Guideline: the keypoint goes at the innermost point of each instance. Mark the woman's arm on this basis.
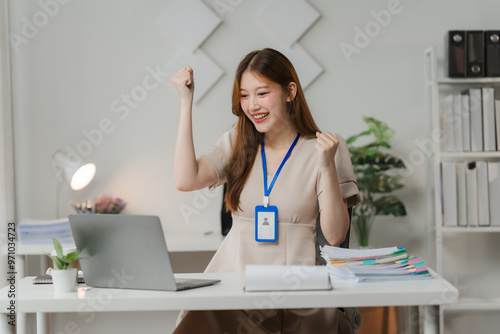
(190, 173)
(334, 218)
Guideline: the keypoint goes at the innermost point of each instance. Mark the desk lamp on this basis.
(77, 174)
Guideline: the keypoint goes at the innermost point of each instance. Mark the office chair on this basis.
(226, 219)
(321, 240)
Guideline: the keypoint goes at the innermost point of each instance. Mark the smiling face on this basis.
(264, 103)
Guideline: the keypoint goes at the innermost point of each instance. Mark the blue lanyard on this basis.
(267, 190)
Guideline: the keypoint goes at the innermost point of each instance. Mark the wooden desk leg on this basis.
(43, 323)
(429, 319)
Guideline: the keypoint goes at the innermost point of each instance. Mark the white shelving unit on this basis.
(470, 304)
(437, 87)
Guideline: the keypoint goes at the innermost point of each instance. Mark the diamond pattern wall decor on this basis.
(307, 68)
(190, 22)
(206, 72)
(288, 20)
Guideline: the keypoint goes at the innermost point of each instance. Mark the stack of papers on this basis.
(378, 264)
(36, 232)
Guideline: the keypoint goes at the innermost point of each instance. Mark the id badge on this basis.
(266, 223)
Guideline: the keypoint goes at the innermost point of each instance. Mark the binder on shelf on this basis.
(462, 193)
(494, 191)
(475, 53)
(483, 202)
(488, 99)
(465, 113)
(492, 53)
(447, 120)
(472, 214)
(449, 178)
(457, 53)
(457, 123)
(476, 119)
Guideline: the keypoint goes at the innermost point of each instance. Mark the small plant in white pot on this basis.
(63, 278)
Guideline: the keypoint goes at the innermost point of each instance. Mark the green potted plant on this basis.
(64, 277)
(376, 175)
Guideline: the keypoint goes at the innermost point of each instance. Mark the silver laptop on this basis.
(126, 252)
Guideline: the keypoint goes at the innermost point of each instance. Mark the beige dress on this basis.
(297, 194)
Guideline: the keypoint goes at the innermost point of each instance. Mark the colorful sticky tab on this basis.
(419, 264)
(399, 251)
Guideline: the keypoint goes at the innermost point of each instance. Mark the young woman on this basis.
(278, 167)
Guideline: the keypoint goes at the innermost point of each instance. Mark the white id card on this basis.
(266, 223)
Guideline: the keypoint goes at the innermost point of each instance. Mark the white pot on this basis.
(64, 280)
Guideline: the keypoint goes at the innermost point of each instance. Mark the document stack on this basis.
(371, 265)
(40, 232)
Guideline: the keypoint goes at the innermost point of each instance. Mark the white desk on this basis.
(229, 294)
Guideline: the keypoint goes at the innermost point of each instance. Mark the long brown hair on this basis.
(273, 66)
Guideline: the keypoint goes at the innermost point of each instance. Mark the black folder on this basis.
(457, 52)
(492, 53)
(475, 53)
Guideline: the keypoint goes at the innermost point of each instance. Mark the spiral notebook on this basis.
(47, 279)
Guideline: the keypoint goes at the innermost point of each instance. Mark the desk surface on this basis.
(229, 294)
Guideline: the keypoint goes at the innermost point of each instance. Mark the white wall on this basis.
(6, 154)
(66, 77)
(91, 52)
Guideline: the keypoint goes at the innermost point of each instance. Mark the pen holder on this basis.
(84, 207)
